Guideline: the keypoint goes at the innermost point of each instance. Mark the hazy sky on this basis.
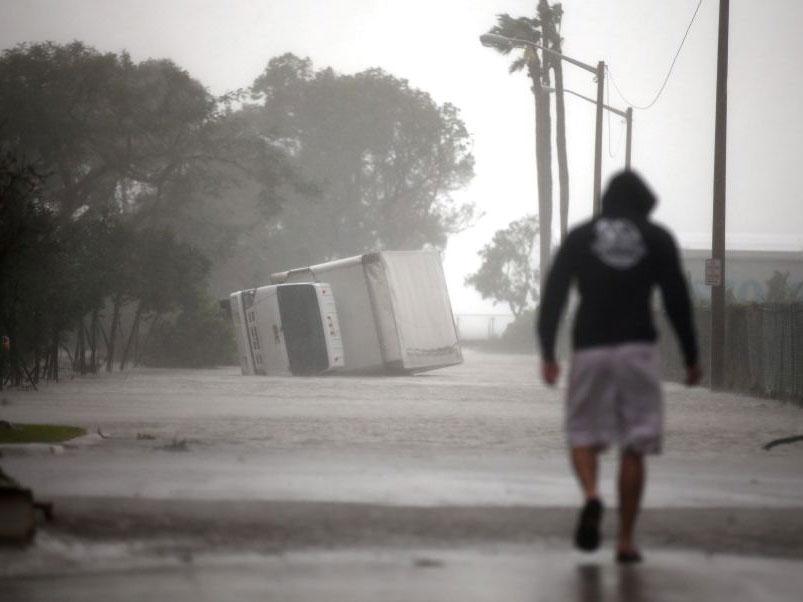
(433, 43)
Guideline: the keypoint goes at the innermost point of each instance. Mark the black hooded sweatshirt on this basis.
(615, 260)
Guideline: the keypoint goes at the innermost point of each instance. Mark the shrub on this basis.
(200, 336)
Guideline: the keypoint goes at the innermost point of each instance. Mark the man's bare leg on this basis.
(585, 463)
(631, 486)
(587, 534)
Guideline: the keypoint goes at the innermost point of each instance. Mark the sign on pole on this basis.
(713, 272)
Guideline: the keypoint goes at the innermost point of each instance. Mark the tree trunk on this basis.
(32, 379)
(55, 359)
(93, 343)
(144, 347)
(118, 301)
(560, 143)
(543, 159)
(551, 39)
(79, 358)
(131, 335)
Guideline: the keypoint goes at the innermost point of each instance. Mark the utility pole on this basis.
(627, 115)
(717, 267)
(629, 138)
(600, 71)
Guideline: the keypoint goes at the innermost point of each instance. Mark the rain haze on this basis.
(281, 316)
(435, 46)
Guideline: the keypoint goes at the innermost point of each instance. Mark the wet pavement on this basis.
(485, 574)
(485, 432)
(212, 486)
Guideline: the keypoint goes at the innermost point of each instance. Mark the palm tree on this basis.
(529, 30)
(550, 18)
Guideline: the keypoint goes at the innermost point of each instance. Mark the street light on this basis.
(492, 39)
(627, 114)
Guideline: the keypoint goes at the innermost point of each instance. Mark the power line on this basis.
(668, 74)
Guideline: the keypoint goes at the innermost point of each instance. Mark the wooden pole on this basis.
(629, 137)
(718, 233)
(598, 138)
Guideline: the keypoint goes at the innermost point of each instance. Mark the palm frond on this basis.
(516, 28)
(518, 65)
(520, 28)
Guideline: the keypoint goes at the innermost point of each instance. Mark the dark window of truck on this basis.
(303, 329)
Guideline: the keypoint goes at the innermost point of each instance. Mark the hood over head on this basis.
(627, 195)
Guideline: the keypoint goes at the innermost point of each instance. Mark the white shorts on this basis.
(614, 396)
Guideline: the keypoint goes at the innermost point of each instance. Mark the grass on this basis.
(39, 433)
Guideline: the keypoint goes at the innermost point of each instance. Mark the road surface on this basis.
(204, 479)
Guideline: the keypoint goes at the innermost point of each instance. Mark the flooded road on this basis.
(252, 479)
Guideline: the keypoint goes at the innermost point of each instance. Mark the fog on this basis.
(435, 46)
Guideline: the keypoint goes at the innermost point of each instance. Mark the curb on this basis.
(83, 441)
(30, 449)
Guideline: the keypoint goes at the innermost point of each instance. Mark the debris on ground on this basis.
(177, 445)
(18, 512)
(783, 441)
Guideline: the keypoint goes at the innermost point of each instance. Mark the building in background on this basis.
(746, 272)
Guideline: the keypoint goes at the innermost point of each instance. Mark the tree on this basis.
(530, 30)
(550, 18)
(780, 290)
(140, 172)
(200, 337)
(506, 274)
(41, 291)
(124, 137)
(124, 151)
(26, 241)
(384, 156)
(164, 275)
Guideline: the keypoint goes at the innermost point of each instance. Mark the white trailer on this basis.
(393, 307)
(287, 329)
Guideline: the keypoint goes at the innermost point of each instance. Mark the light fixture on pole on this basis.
(492, 39)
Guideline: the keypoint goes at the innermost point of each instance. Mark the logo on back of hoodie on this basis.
(618, 243)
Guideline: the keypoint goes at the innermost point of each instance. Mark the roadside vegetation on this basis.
(38, 433)
(133, 199)
(506, 273)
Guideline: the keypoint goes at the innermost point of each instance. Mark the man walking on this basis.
(614, 391)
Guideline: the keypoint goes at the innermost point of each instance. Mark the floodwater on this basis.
(452, 483)
(486, 432)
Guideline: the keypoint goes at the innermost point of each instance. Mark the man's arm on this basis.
(675, 295)
(553, 300)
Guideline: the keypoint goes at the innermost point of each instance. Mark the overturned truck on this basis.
(288, 329)
(390, 314)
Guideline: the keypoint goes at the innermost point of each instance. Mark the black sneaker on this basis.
(587, 536)
(633, 557)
